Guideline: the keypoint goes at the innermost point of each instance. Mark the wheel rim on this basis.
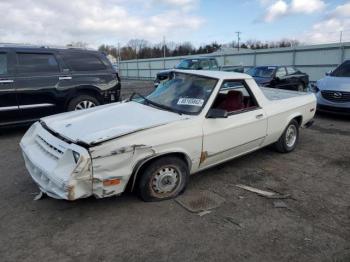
(291, 135)
(166, 180)
(84, 105)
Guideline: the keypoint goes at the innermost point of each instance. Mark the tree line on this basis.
(139, 48)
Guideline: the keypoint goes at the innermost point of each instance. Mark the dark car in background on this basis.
(200, 63)
(40, 81)
(282, 77)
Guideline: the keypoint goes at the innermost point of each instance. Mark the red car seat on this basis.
(233, 101)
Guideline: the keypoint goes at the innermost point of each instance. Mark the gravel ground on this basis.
(315, 226)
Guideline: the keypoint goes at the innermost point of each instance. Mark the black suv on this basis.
(40, 81)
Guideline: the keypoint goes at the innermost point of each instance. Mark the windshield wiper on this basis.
(150, 102)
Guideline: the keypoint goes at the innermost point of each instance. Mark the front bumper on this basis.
(325, 105)
(53, 167)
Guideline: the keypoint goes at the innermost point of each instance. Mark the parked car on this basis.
(194, 121)
(36, 82)
(199, 63)
(282, 77)
(333, 91)
(236, 69)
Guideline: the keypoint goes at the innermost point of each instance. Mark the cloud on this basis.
(92, 21)
(307, 7)
(328, 29)
(281, 8)
(276, 10)
(185, 5)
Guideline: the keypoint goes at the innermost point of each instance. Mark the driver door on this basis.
(242, 131)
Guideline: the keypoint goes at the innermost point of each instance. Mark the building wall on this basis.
(314, 60)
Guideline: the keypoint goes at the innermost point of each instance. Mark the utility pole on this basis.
(164, 52)
(119, 56)
(238, 38)
(341, 37)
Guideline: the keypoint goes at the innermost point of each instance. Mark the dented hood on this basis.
(106, 122)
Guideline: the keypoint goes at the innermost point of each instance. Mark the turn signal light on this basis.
(111, 182)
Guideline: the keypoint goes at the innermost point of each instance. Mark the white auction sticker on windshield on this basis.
(190, 101)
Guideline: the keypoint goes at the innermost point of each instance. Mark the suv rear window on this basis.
(3, 64)
(83, 62)
(34, 63)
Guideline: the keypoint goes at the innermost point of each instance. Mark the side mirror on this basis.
(217, 113)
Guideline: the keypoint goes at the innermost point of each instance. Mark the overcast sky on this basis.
(95, 22)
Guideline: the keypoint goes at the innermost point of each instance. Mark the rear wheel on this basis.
(289, 139)
(162, 179)
(82, 102)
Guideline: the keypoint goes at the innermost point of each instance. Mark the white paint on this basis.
(129, 134)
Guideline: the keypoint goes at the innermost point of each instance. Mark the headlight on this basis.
(76, 156)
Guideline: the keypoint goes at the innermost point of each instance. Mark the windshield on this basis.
(187, 64)
(182, 93)
(262, 71)
(342, 71)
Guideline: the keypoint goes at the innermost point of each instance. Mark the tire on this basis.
(301, 87)
(163, 179)
(289, 139)
(82, 102)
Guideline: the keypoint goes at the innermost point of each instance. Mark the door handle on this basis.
(65, 78)
(259, 116)
(6, 81)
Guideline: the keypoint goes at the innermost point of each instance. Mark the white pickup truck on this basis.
(193, 121)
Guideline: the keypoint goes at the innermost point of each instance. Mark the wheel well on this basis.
(299, 119)
(84, 91)
(144, 164)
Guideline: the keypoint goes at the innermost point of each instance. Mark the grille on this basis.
(47, 148)
(336, 96)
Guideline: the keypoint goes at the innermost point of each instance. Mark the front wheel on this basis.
(289, 139)
(162, 179)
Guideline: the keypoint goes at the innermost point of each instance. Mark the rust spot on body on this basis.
(204, 156)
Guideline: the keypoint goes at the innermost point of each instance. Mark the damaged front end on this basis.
(62, 170)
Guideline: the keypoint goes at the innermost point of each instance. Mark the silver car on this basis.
(333, 91)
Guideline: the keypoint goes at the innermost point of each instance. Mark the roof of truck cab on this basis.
(215, 74)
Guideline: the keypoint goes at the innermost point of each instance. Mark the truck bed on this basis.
(279, 94)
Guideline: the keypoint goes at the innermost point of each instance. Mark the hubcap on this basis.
(291, 135)
(166, 180)
(84, 105)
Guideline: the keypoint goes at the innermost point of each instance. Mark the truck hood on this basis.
(95, 125)
(334, 83)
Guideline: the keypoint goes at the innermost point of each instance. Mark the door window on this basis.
(214, 65)
(3, 64)
(83, 62)
(291, 70)
(37, 63)
(204, 65)
(234, 97)
(281, 72)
